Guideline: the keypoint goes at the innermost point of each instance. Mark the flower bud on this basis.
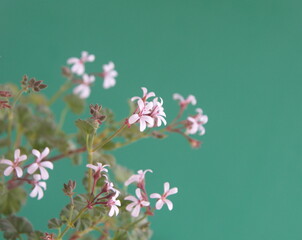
(69, 188)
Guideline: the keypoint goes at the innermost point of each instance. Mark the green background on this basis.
(241, 59)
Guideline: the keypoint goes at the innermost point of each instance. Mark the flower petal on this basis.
(166, 187)
(159, 204)
(136, 211)
(44, 173)
(32, 168)
(19, 172)
(155, 195)
(133, 118)
(8, 171)
(17, 154)
(169, 204)
(6, 161)
(47, 164)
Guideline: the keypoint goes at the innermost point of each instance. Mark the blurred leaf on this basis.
(109, 146)
(75, 103)
(36, 235)
(13, 226)
(121, 173)
(12, 200)
(54, 223)
(86, 126)
(36, 99)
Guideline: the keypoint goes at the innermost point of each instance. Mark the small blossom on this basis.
(196, 123)
(158, 113)
(146, 95)
(99, 168)
(137, 203)
(109, 75)
(162, 199)
(139, 178)
(38, 187)
(79, 63)
(184, 102)
(83, 89)
(15, 165)
(142, 117)
(39, 164)
(113, 203)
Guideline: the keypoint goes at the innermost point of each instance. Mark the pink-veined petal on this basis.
(8, 171)
(42, 184)
(131, 198)
(91, 58)
(85, 92)
(177, 96)
(145, 203)
(191, 99)
(133, 118)
(136, 211)
(19, 172)
(72, 60)
(159, 204)
(7, 162)
(166, 187)
(36, 153)
(138, 193)
(22, 158)
(40, 193)
(32, 168)
(155, 195)
(44, 173)
(142, 125)
(130, 206)
(47, 164)
(172, 191)
(169, 204)
(17, 154)
(140, 104)
(34, 192)
(45, 153)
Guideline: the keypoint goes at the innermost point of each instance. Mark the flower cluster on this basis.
(84, 84)
(37, 169)
(193, 124)
(148, 113)
(108, 194)
(141, 199)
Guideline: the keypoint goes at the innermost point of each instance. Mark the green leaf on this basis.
(75, 103)
(12, 200)
(86, 126)
(13, 226)
(54, 223)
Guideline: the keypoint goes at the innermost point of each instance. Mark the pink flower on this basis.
(79, 64)
(38, 187)
(139, 178)
(98, 168)
(83, 89)
(15, 164)
(39, 164)
(113, 204)
(142, 116)
(184, 102)
(196, 123)
(162, 199)
(109, 75)
(146, 95)
(137, 203)
(157, 113)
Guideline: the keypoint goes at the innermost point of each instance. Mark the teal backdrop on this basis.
(242, 59)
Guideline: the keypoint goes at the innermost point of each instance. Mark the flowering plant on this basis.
(32, 141)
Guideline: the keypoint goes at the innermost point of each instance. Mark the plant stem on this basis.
(99, 146)
(71, 223)
(62, 118)
(89, 143)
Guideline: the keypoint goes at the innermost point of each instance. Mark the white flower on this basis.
(99, 168)
(38, 188)
(39, 164)
(113, 203)
(162, 199)
(83, 89)
(184, 102)
(139, 178)
(142, 116)
(157, 113)
(109, 75)
(79, 63)
(196, 123)
(137, 203)
(14, 165)
(146, 95)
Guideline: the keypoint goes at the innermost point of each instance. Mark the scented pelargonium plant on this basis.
(31, 142)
